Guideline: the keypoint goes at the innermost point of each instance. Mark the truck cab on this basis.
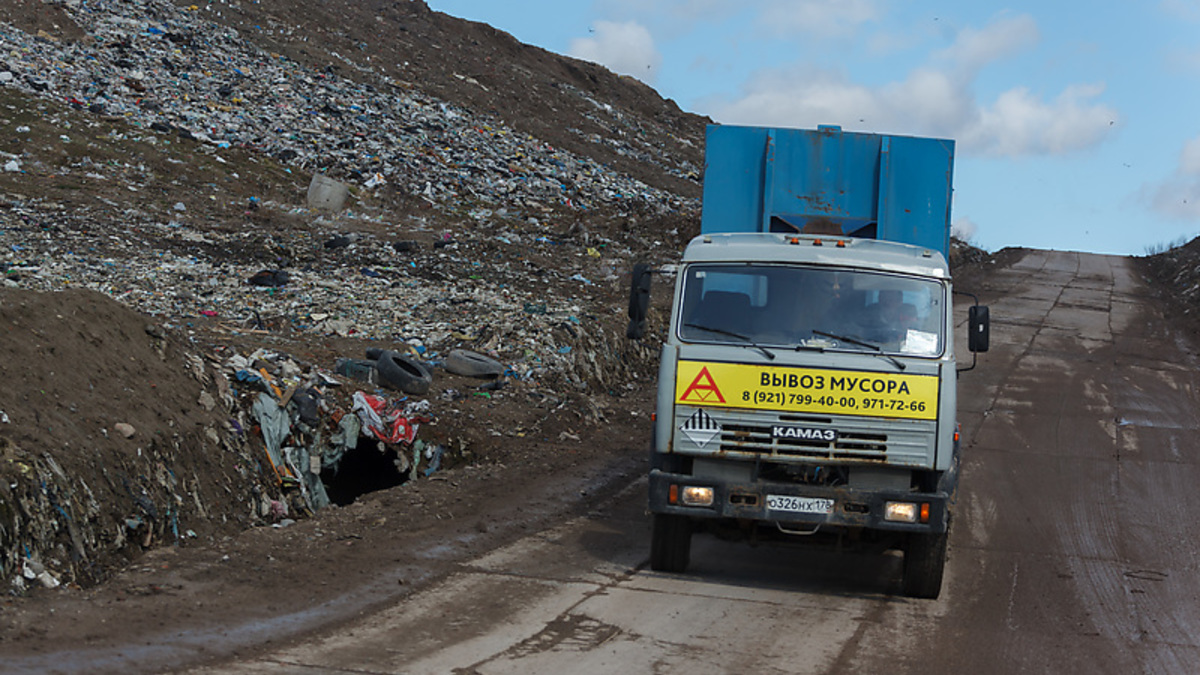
(806, 385)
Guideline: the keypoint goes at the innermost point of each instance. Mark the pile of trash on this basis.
(1176, 268)
(306, 430)
(496, 292)
(272, 436)
(114, 437)
(163, 68)
(141, 407)
(502, 269)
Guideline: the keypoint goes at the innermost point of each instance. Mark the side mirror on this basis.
(639, 301)
(979, 325)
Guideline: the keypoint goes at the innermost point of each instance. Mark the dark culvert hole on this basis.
(361, 471)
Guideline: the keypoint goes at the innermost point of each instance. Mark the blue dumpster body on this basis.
(875, 186)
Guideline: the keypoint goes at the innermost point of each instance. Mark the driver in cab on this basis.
(890, 318)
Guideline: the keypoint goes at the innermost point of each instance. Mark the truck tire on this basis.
(670, 543)
(472, 364)
(924, 563)
(402, 372)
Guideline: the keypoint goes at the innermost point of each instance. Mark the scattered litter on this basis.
(386, 421)
(270, 278)
(34, 570)
(327, 194)
(482, 287)
(384, 138)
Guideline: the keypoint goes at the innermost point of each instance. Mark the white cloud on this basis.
(800, 97)
(936, 101)
(927, 103)
(973, 49)
(1179, 195)
(1184, 60)
(818, 17)
(1181, 9)
(625, 48)
(963, 229)
(893, 42)
(1178, 198)
(1189, 157)
(1018, 123)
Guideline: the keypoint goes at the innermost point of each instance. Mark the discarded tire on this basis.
(471, 364)
(270, 278)
(402, 372)
(375, 352)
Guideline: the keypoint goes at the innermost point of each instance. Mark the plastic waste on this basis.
(273, 278)
(327, 194)
(362, 370)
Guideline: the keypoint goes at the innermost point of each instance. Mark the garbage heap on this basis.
(157, 442)
(119, 434)
(122, 428)
(164, 68)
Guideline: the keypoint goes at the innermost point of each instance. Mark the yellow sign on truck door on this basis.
(807, 390)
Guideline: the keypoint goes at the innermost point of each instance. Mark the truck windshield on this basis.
(797, 307)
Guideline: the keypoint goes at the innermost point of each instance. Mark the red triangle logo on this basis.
(704, 389)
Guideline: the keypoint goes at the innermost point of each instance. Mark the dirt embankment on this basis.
(495, 209)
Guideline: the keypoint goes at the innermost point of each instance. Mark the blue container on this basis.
(760, 179)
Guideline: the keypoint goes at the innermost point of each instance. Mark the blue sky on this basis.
(1077, 124)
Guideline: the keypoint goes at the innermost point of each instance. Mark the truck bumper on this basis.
(748, 501)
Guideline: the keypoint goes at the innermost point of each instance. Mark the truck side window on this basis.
(722, 304)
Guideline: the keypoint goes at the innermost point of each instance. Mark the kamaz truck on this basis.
(806, 387)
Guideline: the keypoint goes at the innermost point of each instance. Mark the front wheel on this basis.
(924, 563)
(670, 543)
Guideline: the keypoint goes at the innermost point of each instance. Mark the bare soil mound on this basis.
(112, 438)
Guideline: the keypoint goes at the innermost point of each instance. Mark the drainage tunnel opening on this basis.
(362, 470)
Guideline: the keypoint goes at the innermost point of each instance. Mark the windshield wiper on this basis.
(743, 338)
(854, 341)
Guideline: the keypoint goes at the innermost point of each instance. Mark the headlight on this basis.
(900, 512)
(697, 496)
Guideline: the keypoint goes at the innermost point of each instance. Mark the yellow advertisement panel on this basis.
(807, 390)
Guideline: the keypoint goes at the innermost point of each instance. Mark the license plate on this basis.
(817, 505)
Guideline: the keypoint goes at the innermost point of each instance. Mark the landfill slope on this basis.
(158, 162)
(111, 431)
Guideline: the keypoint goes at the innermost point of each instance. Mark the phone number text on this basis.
(785, 398)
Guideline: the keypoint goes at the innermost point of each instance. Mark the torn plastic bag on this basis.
(300, 458)
(275, 426)
(346, 437)
(382, 420)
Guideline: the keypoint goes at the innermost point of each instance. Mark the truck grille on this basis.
(804, 438)
(849, 445)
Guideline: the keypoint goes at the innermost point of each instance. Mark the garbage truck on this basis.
(806, 387)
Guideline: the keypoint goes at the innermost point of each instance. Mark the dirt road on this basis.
(1073, 548)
